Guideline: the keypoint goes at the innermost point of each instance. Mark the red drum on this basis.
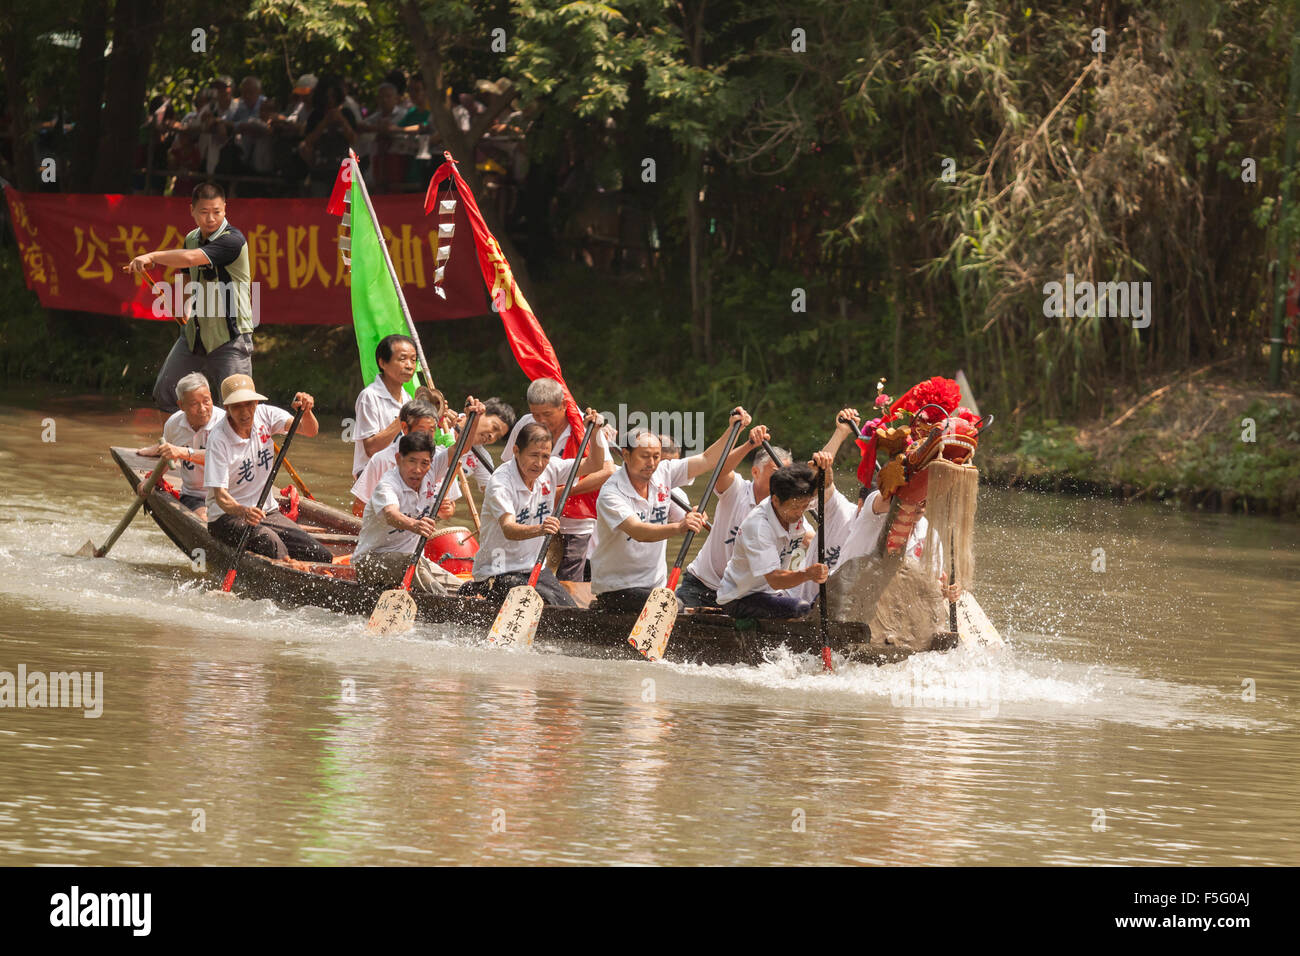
(454, 550)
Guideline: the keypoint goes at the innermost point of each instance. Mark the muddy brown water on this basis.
(1117, 727)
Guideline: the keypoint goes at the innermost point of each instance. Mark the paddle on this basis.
(821, 559)
(229, 581)
(394, 612)
(517, 620)
(88, 550)
(655, 625)
(293, 473)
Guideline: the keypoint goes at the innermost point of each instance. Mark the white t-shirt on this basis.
(242, 465)
(472, 467)
(177, 431)
(763, 545)
(383, 460)
(375, 410)
(732, 507)
(376, 533)
(841, 515)
(507, 494)
(619, 561)
(567, 525)
(862, 532)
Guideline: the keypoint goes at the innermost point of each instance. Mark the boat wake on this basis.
(145, 578)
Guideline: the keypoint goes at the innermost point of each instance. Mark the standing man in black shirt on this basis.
(217, 338)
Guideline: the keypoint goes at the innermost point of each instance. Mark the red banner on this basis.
(527, 339)
(74, 246)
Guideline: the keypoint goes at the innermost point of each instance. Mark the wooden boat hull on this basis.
(706, 638)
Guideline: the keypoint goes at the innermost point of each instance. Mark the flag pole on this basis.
(392, 272)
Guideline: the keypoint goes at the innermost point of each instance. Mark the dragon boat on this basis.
(883, 608)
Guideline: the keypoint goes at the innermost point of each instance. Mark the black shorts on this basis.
(573, 562)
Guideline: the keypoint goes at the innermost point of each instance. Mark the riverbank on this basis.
(1207, 440)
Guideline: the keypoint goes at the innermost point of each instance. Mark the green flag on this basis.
(376, 311)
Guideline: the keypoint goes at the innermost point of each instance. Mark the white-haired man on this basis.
(546, 406)
(185, 439)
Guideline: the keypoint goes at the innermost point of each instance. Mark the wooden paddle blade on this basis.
(973, 626)
(652, 629)
(516, 623)
(394, 613)
(87, 550)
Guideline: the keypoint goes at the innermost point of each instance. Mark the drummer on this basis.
(397, 516)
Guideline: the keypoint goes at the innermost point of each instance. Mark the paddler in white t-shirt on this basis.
(519, 509)
(239, 459)
(185, 438)
(397, 516)
(379, 404)
(766, 569)
(632, 510)
(546, 406)
(736, 498)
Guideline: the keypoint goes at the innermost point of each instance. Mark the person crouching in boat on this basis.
(632, 513)
(519, 508)
(736, 499)
(239, 456)
(397, 516)
(760, 580)
(416, 415)
(185, 438)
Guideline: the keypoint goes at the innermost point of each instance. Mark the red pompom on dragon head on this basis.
(926, 423)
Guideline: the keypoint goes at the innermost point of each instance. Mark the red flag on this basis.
(342, 183)
(529, 343)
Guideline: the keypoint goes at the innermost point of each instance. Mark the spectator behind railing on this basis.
(416, 125)
(331, 130)
(246, 122)
(391, 155)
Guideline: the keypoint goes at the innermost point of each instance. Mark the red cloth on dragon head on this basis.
(944, 392)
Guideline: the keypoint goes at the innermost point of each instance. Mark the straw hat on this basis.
(239, 388)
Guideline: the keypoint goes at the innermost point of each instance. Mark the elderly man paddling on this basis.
(239, 458)
(518, 509)
(628, 562)
(217, 338)
(185, 438)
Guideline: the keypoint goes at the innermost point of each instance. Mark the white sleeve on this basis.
(216, 468)
(613, 509)
(365, 484)
(676, 473)
(497, 502)
(369, 417)
(763, 559)
(382, 497)
(171, 432)
(277, 419)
